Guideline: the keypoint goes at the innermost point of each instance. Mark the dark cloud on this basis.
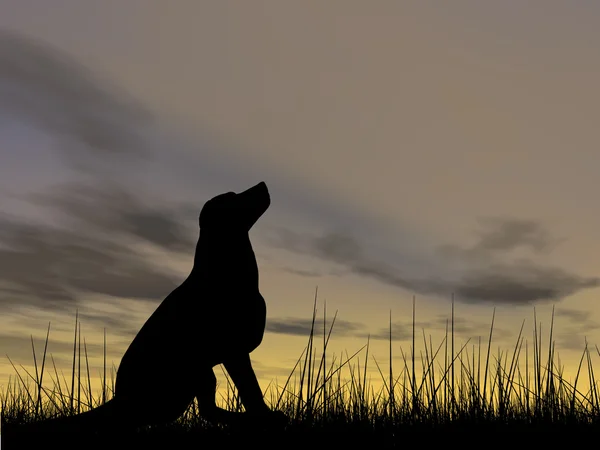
(42, 85)
(93, 248)
(345, 250)
(520, 282)
(50, 267)
(96, 207)
(302, 327)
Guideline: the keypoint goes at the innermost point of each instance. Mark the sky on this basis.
(412, 150)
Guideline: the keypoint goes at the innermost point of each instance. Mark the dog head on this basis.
(231, 212)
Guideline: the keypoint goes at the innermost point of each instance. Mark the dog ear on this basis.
(218, 211)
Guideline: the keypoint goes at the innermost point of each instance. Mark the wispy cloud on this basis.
(464, 328)
(485, 278)
(575, 327)
(303, 273)
(302, 327)
(491, 277)
(55, 92)
(576, 316)
(18, 348)
(50, 267)
(94, 207)
(401, 330)
(502, 235)
(90, 241)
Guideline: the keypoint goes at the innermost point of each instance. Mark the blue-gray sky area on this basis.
(410, 148)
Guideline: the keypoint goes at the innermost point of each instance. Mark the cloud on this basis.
(19, 350)
(400, 332)
(341, 249)
(573, 315)
(311, 273)
(289, 240)
(90, 238)
(115, 324)
(98, 129)
(338, 248)
(302, 272)
(464, 328)
(482, 280)
(572, 340)
(499, 235)
(44, 86)
(95, 207)
(302, 327)
(502, 234)
(94, 249)
(575, 327)
(520, 283)
(50, 267)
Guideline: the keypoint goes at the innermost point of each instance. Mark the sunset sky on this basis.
(410, 148)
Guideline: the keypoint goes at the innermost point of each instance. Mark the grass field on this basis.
(447, 394)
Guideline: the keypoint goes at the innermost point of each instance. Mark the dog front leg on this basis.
(207, 406)
(241, 372)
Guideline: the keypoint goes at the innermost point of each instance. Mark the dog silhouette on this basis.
(216, 316)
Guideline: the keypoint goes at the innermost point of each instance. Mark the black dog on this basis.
(216, 316)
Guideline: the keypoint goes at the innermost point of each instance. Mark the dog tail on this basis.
(101, 418)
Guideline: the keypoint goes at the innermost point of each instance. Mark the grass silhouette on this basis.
(448, 392)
